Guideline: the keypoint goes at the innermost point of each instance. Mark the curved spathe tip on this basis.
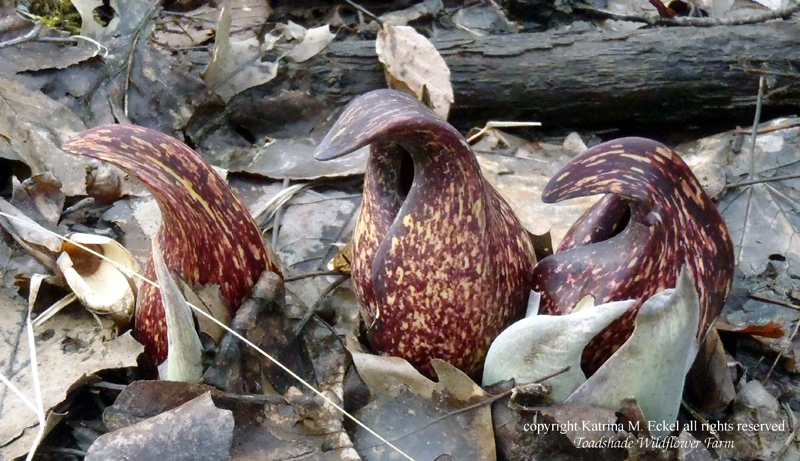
(623, 166)
(374, 116)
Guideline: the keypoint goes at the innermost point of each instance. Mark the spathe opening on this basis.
(406, 174)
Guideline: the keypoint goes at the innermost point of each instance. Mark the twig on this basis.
(764, 180)
(500, 124)
(311, 274)
(790, 439)
(365, 11)
(786, 345)
(693, 22)
(310, 312)
(503, 394)
(107, 386)
(31, 35)
(128, 72)
(276, 222)
(777, 302)
(761, 84)
(759, 71)
(701, 418)
(770, 129)
(330, 329)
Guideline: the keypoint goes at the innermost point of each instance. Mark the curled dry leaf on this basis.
(34, 238)
(101, 287)
(652, 364)
(540, 345)
(236, 65)
(413, 63)
(39, 195)
(314, 41)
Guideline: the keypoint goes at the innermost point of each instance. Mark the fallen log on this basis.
(644, 79)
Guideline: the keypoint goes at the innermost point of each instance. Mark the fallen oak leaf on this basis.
(414, 412)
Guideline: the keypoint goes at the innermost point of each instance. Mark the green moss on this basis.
(57, 14)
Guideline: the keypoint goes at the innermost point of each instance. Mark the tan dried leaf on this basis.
(236, 65)
(410, 58)
(314, 41)
(342, 262)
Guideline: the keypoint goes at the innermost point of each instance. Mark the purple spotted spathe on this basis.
(632, 243)
(441, 263)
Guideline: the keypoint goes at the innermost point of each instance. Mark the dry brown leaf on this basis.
(342, 262)
(412, 59)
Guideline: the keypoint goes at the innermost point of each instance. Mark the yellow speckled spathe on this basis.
(633, 242)
(207, 235)
(441, 264)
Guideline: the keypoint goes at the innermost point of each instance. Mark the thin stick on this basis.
(307, 316)
(777, 302)
(229, 330)
(786, 345)
(500, 124)
(365, 11)
(312, 274)
(37, 27)
(764, 180)
(37, 387)
(276, 222)
(761, 84)
(700, 418)
(770, 129)
(129, 70)
(787, 443)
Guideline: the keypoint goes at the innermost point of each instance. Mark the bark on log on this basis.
(678, 76)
